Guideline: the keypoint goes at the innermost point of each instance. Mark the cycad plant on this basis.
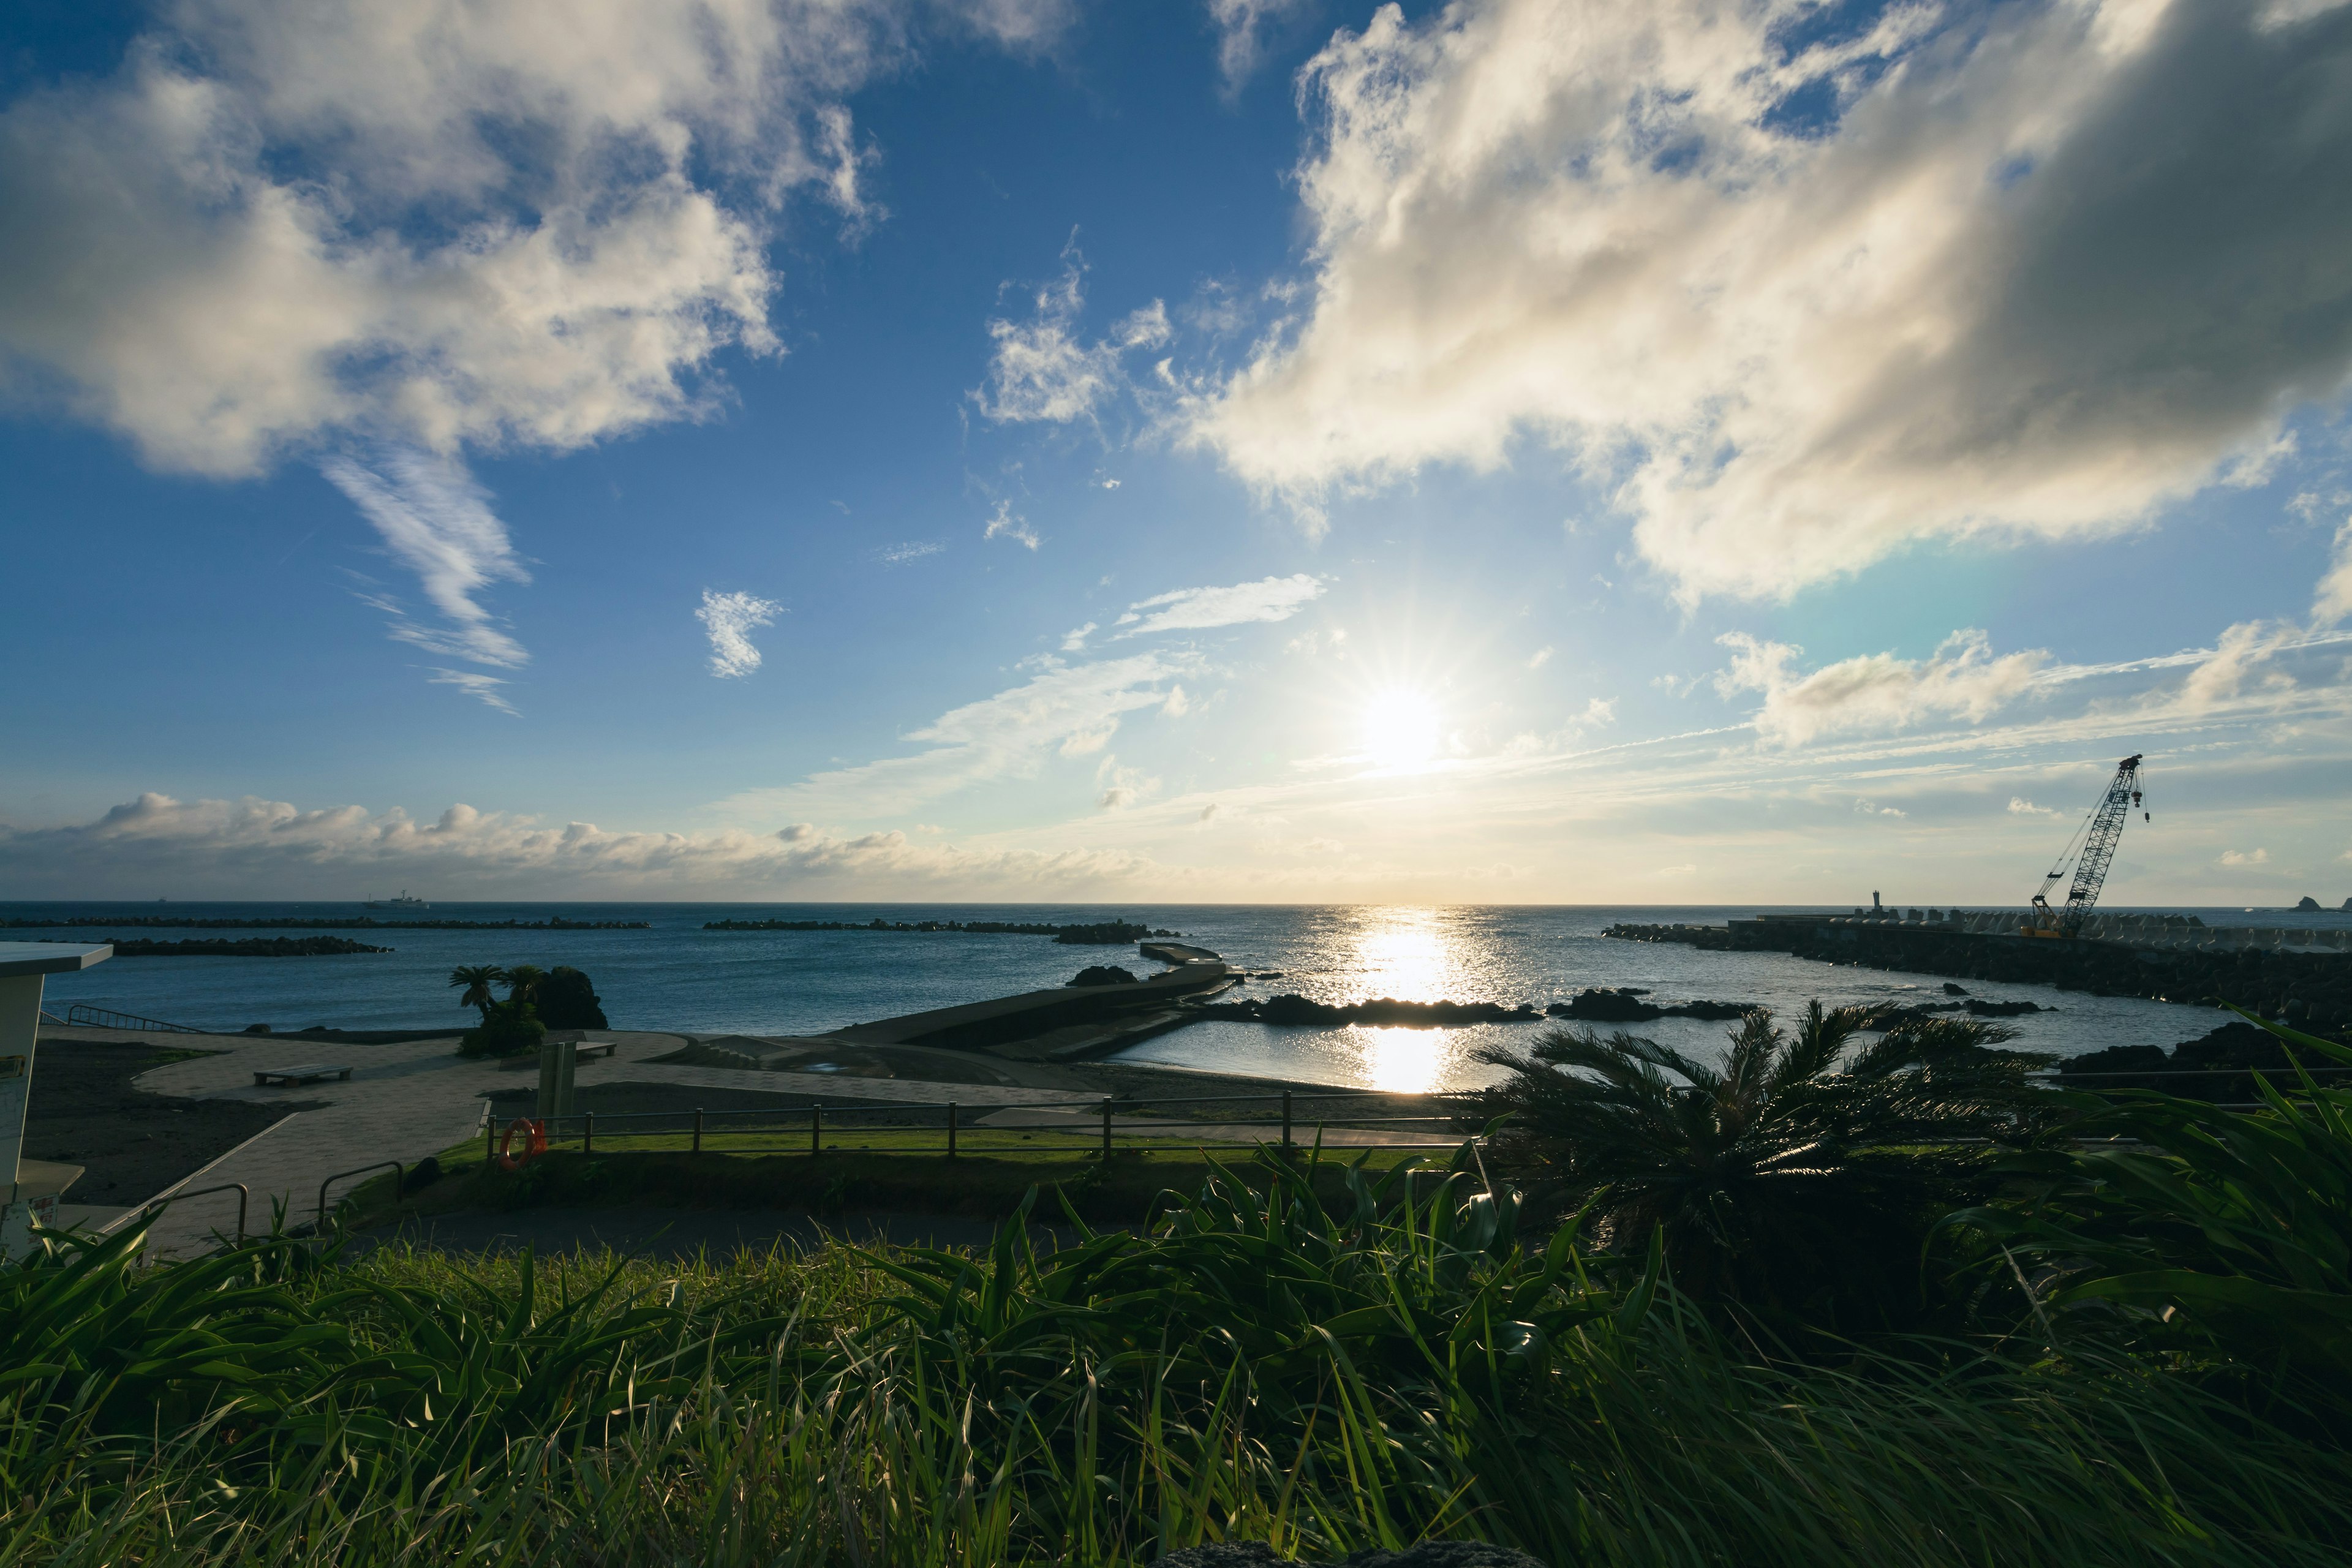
(474, 982)
(1799, 1176)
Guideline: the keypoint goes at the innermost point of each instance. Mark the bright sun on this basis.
(1401, 728)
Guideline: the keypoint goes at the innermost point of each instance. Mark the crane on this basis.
(2098, 836)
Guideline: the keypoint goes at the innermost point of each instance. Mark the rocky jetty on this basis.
(2301, 976)
(1101, 933)
(251, 947)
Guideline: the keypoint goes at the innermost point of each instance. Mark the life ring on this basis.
(534, 1142)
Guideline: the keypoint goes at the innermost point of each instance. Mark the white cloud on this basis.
(2045, 266)
(2020, 806)
(1177, 705)
(1242, 26)
(730, 619)
(2238, 858)
(1872, 808)
(913, 549)
(1538, 659)
(2333, 602)
(1873, 691)
(1123, 787)
(1075, 639)
(1598, 711)
(1008, 525)
(1199, 609)
(261, 847)
(438, 523)
(1043, 371)
(483, 689)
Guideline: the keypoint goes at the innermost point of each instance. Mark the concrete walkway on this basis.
(407, 1101)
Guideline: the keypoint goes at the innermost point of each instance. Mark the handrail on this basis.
(400, 1184)
(243, 1197)
(82, 1015)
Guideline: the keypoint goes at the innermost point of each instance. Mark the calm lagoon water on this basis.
(675, 975)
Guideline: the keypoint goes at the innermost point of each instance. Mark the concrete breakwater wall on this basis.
(2308, 985)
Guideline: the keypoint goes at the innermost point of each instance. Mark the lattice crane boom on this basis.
(2098, 837)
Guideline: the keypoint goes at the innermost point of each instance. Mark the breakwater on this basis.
(2169, 958)
(1100, 933)
(251, 947)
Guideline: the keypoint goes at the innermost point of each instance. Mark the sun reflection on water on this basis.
(1410, 956)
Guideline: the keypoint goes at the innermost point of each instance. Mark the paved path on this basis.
(405, 1101)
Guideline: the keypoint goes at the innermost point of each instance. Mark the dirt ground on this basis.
(84, 1111)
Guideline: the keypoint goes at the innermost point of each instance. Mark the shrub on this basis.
(508, 1029)
(566, 1000)
(2191, 1227)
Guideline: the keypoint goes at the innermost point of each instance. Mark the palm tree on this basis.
(1789, 1176)
(476, 979)
(523, 981)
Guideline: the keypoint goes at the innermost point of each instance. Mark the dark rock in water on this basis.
(1624, 1005)
(1425, 1554)
(256, 1029)
(1103, 974)
(566, 1000)
(1603, 1006)
(1981, 1009)
(2307, 902)
(1952, 990)
(1290, 1008)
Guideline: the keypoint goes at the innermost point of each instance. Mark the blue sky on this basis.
(1528, 450)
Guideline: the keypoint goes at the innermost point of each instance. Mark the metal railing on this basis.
(82, 1015)
(399, 1185)
(1287, 1121)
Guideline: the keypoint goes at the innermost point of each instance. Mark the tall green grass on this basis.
(1254, 1365)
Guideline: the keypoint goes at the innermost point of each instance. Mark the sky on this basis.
(1511, 451)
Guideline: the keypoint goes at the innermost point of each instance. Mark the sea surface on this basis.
(676, 975)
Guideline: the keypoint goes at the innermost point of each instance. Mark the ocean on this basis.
(676, 975)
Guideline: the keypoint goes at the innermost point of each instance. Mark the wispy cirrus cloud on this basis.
(730, 619)
(1006, 523)
(1203, 609)
(1242, 28)
(482, 689)
(1061, 709)
(437, 521)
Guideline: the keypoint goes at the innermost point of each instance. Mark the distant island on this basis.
(1103, 934)
(355, 922)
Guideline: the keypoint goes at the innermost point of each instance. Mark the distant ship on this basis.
(402, 902)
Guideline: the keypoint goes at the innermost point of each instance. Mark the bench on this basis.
(581, 1051)
(312, 1072)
